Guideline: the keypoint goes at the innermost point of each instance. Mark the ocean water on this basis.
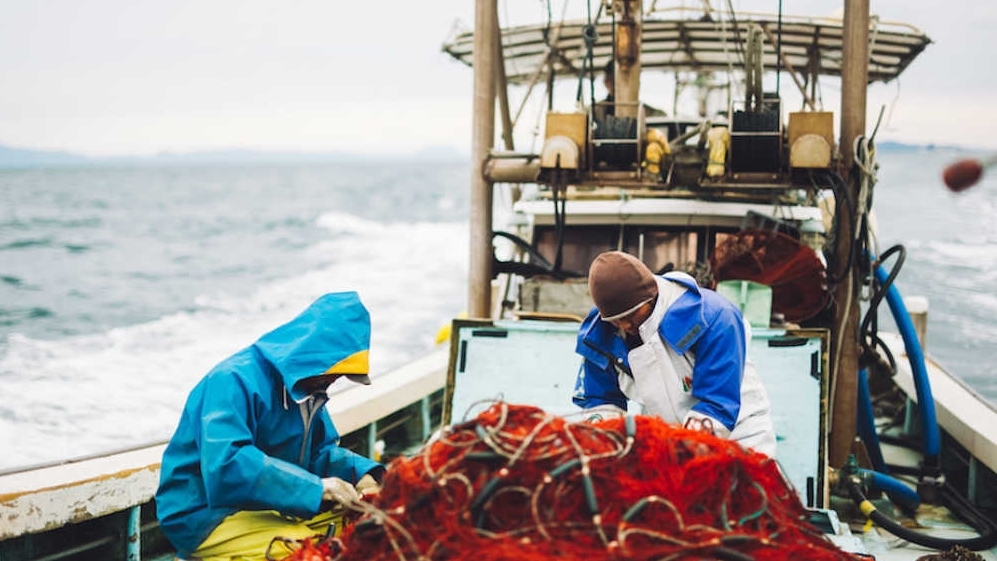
(951, 257)
(121, 287)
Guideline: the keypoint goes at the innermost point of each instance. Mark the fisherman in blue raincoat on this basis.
(256, 453)
(677, 350)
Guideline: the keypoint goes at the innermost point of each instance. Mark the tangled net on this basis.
(793, 270)
(518, 483)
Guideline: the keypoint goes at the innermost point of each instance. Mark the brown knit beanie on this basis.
(620, 283)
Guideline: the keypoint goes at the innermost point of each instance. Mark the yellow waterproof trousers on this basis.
(246, 535)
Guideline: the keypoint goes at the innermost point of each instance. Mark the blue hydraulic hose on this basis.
(898, 492)
(866, 424)
(915, 355)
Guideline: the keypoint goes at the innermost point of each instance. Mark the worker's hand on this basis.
(701, 424)
(368, 486)
(704, 423)
(338, 490)
(602, 412)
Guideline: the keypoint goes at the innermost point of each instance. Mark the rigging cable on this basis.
(868, 329)
(737, 30)
(778, 53)
(559, 220)
(590, 35)
(843, 201)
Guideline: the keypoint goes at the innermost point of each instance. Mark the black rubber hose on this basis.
(986, 539)
(960, 505)
(867, 329)
(843, 197)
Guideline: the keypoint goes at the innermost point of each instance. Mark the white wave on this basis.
(979, 254)
(339, 222)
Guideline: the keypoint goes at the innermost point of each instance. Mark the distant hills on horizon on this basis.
(11, 157)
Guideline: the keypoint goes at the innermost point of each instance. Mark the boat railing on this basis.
(78, 459)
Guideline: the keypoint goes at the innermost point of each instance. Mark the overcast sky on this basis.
(115, 77)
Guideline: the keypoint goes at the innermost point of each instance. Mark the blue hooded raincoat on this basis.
(243, 443)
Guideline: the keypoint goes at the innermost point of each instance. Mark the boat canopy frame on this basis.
(810, 46)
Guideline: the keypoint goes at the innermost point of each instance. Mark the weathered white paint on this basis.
(49, 497)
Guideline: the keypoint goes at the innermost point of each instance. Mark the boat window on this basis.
(661, 250)
(580, 246)
(661, 246)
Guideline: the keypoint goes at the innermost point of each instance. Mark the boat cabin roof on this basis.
(700, 44)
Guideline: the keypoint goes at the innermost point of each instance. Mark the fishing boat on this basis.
(891, 455)
(768, 206)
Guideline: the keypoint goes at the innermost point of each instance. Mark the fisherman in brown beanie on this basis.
(674, 349)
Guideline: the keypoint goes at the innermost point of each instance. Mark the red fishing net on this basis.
(518, 483)
(793, 270)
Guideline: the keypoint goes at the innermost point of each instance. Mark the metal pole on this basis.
(134, 548)
(854, 80)
(482, 139)
(502, 90)
(372, 441)
(425, 405)
(502, 87)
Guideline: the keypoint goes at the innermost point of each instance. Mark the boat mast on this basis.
(482, 140)
(845, 366)
(854, 76)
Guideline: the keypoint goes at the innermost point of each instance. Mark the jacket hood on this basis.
(331, 336)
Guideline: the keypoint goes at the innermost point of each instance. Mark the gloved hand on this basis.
(697, 421)
(701, 424)
(368, 486)
(338, 490)
(602, 412)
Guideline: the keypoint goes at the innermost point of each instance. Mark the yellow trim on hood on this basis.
(356, 363)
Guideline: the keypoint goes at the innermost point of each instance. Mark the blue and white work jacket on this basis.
(692, 364)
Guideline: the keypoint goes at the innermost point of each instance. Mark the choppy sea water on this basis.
(121, 287)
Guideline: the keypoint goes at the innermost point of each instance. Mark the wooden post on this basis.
(854, 76)
(482, 140)
(917, 308)
(854, 79)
